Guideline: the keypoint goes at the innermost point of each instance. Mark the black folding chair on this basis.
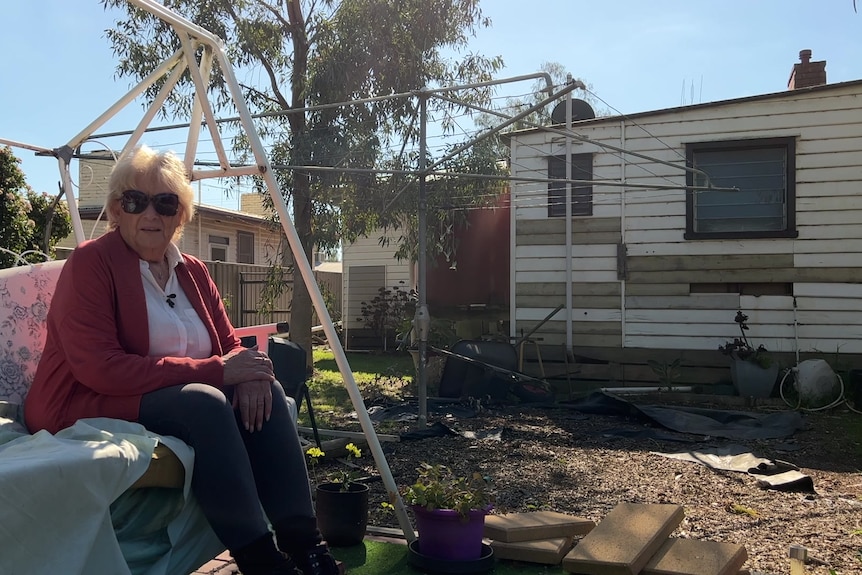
(288, 363)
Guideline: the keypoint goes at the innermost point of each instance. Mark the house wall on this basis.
(632, 267)
(195, 238)
(361, 281)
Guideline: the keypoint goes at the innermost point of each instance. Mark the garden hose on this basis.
(838, 401)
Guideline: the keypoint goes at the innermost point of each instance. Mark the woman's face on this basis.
(149, 232)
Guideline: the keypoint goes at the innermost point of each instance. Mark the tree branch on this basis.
(267, 65)
(261, 94)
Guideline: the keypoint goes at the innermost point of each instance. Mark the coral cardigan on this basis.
(95, 362)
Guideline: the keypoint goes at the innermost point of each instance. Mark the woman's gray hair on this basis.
(160, 171)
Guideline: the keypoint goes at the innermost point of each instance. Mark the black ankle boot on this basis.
(260, 557)
(297, 532)
(299, 537)
(315, 560)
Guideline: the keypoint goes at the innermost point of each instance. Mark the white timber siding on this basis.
(195, 239)
(632, 268)
(359, 260)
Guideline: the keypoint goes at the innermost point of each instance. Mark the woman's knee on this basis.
(200, 399)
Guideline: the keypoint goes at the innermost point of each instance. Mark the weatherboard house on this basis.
(680, 217)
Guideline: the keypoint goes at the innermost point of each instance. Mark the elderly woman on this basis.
(137, 331)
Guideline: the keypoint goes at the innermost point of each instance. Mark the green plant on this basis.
(342, 476)
(29, 222)
(437, 487)
(667, 373)
(385, 313)
(742, 348)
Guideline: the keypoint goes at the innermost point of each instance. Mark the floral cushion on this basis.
(25, 293)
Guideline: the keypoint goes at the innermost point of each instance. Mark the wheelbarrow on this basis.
(478, 368)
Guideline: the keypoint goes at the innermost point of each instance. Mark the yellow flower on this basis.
(315, 452)
(353, 450)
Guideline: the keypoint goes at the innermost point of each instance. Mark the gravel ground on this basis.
(562, 460)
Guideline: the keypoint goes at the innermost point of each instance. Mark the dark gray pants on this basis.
(235, 472)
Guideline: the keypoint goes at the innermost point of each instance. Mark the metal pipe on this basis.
(568, 244)
(422, 319)
(276, 113)
(647, 389)
(599, 144)
(130, 96)
(154, 108)
(194, 132)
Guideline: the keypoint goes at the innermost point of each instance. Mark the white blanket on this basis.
(65, 508)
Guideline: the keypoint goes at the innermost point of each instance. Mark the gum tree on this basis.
(306, 53)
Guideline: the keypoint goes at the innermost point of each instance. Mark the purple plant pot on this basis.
(444, 534)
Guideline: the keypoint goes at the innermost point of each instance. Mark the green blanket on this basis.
(65, 506)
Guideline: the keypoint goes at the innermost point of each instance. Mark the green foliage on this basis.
(667, 372)
(376, 375)
(386, 311)
(742, 348)
(29, 221)
(437, 487)
(342, 477)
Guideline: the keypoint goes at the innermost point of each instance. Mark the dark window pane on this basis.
(582, 194)
(760, 204)
(245, 247)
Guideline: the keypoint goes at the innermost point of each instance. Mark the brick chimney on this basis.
(807, 73)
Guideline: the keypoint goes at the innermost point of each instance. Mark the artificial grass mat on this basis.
(375, 557)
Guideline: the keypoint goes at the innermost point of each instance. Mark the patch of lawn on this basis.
(376, 375)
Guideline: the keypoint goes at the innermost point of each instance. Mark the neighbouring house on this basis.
(471, 290)
(658, 264)
(238, 246)
(368, 265)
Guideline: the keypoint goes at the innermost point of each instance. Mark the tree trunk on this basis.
(300, 308)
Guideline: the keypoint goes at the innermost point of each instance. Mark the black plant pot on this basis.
(342, 516)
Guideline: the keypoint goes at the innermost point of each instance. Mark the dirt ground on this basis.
(562, 460)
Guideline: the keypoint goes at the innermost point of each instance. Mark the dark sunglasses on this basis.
(135, 202)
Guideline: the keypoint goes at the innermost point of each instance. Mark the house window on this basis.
(218, 248)
(764, 172)
(245, 247)
(582, 194)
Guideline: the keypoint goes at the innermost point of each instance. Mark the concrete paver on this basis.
(695, 557)
(534, 525)
(625, 540)
(544, 551)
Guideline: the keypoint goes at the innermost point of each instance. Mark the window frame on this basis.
(221, 243)
(240, 255)
(582, 195)
(789, 146)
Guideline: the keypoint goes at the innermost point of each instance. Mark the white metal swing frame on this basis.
(192, 38)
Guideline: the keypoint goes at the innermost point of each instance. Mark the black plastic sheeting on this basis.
(728, 424)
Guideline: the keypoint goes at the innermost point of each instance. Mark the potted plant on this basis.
(450, 512)
(753, 370)
(341, 503)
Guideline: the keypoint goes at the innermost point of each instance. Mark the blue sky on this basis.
(57, 72)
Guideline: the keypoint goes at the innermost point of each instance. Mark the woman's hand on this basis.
(242, 365)
(254, 400)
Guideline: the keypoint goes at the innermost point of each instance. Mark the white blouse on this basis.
(176, 330)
